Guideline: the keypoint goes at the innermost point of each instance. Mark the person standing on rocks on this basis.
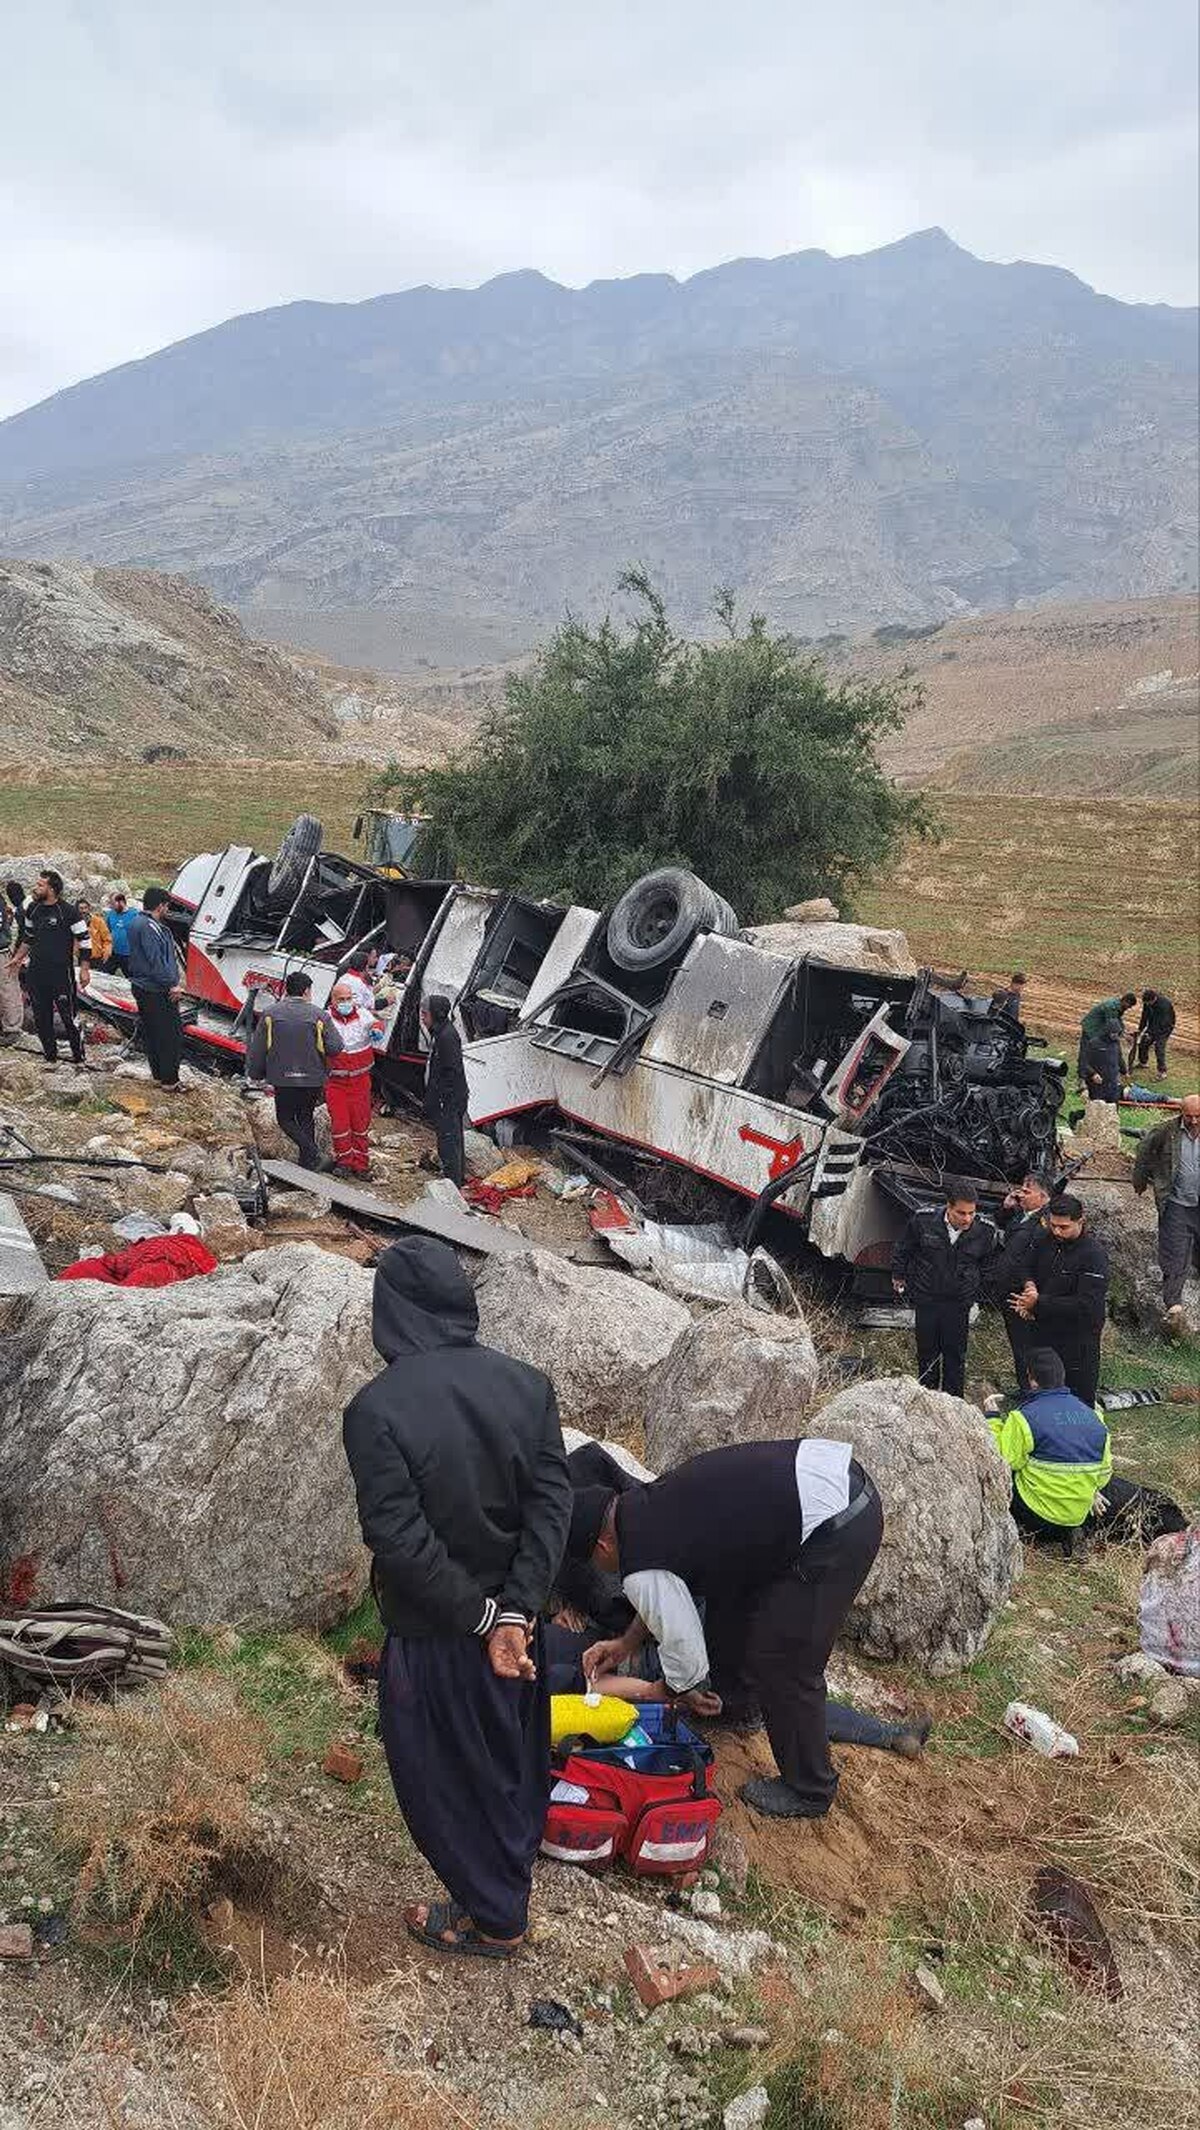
(348, 1087)
(446, 1088)
(152, 964)
(1168, 1160)
(777, 1538)
(292, 1047)
(54, 934)
(464, 1498)
(939, 1263)
(12, 1002)
(1020, 1227)
(1065, 1295)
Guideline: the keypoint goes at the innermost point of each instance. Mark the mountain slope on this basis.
(105, 664)
(898, 436)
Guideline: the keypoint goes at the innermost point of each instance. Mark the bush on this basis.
(624, 749)
(159, 1795)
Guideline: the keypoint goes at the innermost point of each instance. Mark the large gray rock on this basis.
(179, 1450)
(598, 1335)
(1127, 1225)
(846, 946)
(90, 873)
(734, 1376)
(951, 1552)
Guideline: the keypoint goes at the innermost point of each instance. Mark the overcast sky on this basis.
(166, 164)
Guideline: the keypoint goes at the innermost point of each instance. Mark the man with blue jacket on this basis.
(153, 968)
(1058, 1450)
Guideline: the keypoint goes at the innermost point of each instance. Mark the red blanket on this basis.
(157, 1262)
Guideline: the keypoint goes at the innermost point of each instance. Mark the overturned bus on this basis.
(709, 1067)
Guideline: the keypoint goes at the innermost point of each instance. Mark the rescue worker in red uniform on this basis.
(348, 1088)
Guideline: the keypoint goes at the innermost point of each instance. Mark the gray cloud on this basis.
(164, 166)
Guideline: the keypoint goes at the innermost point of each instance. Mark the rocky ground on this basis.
(875, 1969)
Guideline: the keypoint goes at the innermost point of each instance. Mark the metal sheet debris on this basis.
(21, 1268)
(466, 1231)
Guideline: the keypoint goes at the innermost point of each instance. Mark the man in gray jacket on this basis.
(1168, 1160)
(290, 1049)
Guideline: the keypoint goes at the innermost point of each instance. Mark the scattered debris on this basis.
(1040, 1731)
(656, 1982)
(460, 1228)
(1169, 1606)
(550, 2017)
(700, 1262)
(343, 1762)
(21, 1267)
(928, 1988)
(1062, 1908)
(156, 1261)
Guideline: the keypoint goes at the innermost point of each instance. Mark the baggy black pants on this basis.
(469, 1757)
(774, 1644)
(1022, 1341)
(294, 1107)
(1178, 1244)
(48, 995)
(451, 1146)
(162, 1032)
(942, 1330)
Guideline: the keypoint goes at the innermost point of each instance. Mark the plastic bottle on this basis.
(1040, 1731)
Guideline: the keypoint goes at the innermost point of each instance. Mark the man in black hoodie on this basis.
(446, 1087)
(465, 1500)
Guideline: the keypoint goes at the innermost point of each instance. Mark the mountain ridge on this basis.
(896, 435)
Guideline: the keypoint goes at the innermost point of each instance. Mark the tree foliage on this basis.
(623, 748)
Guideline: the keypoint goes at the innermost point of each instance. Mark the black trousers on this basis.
(452, 1153)
(942, 1330)
(294, 1107)
(1080, 1356)
(162, 1033)
(1146, 1043)
(48, 995)
(1135, 1513)
(469, 1758)
(772, 1645)
(1022, 1342)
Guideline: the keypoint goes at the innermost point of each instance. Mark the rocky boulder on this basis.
(734, 1376)
(846, 946)
(90, 873)
(1099, 1128)
(1127, 1225)
(951, 1552)
(817, 910)
(179, 1450)
(598, 1335)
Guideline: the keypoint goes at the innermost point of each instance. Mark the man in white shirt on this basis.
(777, 1538)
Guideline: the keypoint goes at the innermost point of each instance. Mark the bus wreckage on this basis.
(700, 1063)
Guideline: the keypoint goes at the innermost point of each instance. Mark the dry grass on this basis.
(159, 1794)
(299, 2057)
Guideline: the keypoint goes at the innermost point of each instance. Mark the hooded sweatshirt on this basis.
(464, 1496)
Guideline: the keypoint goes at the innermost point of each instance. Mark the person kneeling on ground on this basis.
(348, 1088)
(939, 1264)
(291, 1048)
(1168, 1159)
(1060, 1455)
(777, 1538)
(464, 1500)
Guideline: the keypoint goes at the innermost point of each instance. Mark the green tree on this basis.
(623, 748)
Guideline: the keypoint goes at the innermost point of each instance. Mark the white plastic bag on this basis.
(1169, 1610)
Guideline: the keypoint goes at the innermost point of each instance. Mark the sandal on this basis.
(466, 1939)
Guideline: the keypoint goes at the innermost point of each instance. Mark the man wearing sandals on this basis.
(464, 1498)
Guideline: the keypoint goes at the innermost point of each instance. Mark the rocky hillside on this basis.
(118, 664)
(898, 437)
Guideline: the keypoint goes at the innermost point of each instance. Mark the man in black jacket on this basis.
(1065, 1294)
(446, 1088)
(53, 934)
(939, 1263)
(777, 1538)
(1020, 1227)
(1154, 1031)
(464, 1500)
